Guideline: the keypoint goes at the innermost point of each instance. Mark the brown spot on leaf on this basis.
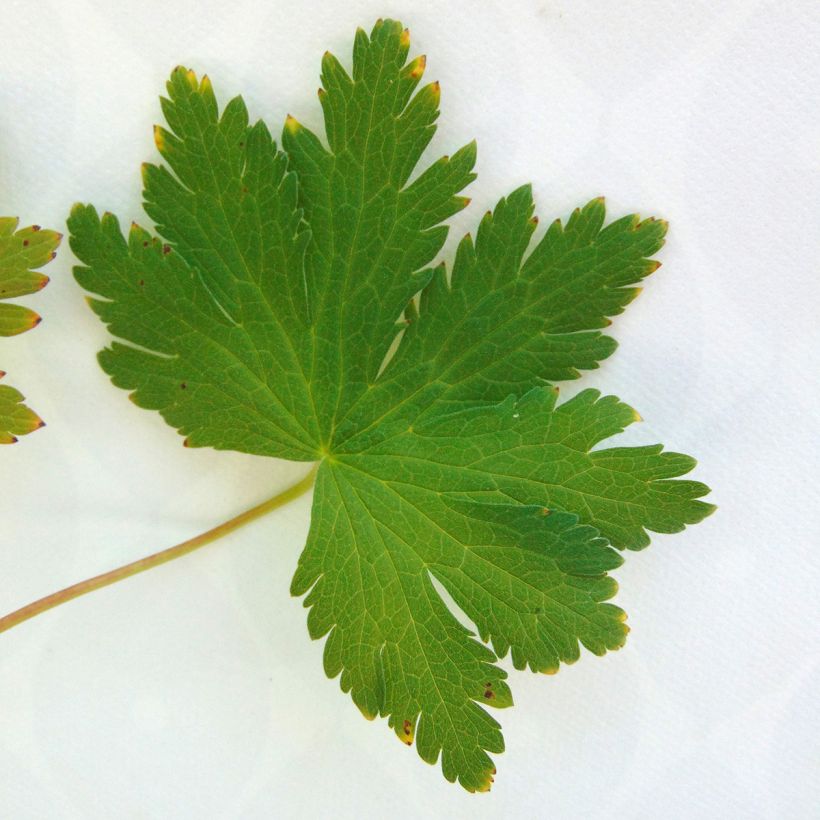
(36, 228)
(407, 727)
(25, 243)
(488, 693)
(183, 386)
(141, 282)
(166, 249)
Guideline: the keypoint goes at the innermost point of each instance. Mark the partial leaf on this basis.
(15, 418)
(20, 253)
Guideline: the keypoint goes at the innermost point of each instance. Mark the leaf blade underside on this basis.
(262, 321)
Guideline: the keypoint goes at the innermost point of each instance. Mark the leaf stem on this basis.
(162, 557)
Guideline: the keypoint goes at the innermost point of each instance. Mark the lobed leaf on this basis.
(290, 310)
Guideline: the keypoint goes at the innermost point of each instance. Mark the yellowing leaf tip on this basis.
(292, 124)
(159, 140)
(407, 733)
(636, 416)
(404, 39)
(417, 66)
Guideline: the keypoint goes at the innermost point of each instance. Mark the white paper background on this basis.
(193, 691)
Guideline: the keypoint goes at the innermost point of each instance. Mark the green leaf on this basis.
(20, 252)
(292, 308)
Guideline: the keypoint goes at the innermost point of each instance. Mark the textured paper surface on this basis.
(193, 691)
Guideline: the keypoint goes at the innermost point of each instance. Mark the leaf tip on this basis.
(487, 783)
(407, 733)
(417, 67)
(292, 125)
(404, 38)
(190, 76)
(159, 140)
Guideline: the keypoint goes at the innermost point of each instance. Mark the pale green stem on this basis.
(163, 557)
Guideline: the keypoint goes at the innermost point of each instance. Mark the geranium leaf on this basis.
(292, 309)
